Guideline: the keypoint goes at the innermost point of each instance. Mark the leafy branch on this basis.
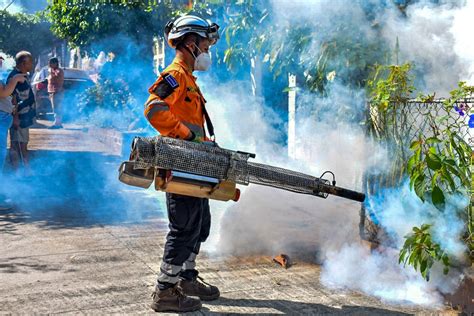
(437, 162)
(421, 252)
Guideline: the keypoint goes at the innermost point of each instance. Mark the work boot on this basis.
(197, 287)
(174, 300)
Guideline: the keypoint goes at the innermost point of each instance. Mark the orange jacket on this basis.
(175, 104)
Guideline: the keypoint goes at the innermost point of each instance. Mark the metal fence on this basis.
(407, 121)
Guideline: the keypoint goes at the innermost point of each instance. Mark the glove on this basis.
(194, 138)
(200, 140)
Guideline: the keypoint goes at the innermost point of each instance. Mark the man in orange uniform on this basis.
(176, 108)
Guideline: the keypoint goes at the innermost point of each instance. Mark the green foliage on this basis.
(104, 103)
(388, 88)
(106, 94)
(421, 252)
(462, 92)
(83, 24)
(438, 163)
(388, 84)
(285, 46)
(24, 32)
(243, 35)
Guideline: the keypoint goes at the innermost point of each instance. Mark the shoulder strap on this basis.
(209, 125)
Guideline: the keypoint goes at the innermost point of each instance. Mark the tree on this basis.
(125, 28)
(25, 32)
(316, 51)
(93, 27)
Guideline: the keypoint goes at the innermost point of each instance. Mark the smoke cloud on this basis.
(430, 36)
(267, 221)
(377, 274)
(76, 177)
(24, 6)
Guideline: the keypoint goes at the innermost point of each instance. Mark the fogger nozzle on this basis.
(212, 171)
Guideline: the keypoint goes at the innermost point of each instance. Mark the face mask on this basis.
(202, 61)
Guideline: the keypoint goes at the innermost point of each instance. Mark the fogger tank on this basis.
(209, 171)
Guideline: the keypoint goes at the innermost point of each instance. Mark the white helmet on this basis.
(174, 31)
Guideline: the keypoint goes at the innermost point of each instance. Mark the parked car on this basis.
(75, 81)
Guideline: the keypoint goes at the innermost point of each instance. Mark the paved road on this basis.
(66, 263)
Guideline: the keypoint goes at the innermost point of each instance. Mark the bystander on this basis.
(6, 119)
(24, 111)
(56, 91)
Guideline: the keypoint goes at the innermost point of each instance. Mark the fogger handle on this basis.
(345, 193)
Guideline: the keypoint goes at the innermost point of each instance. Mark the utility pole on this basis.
(256, 76)
(8, 5)
(158, 54)
(292, 115)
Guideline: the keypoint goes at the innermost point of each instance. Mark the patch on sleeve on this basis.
(166, 87)
(172, 81)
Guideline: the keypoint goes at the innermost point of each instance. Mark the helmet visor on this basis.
(210, 32)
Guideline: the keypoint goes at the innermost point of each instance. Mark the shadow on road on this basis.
(22, 265)
(297, 308)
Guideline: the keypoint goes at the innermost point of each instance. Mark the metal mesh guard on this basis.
(285, 179)
(219, 163)
(196, 158)
(143, 152)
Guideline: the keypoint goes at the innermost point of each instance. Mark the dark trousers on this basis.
(189, 224)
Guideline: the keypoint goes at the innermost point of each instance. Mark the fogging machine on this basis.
(208, 171)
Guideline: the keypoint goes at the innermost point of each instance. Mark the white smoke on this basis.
(267, 221)
(23, 6)
(400, 210)
(433, 39)
(11, 7)
(462, 27)
(377, 274)
(243, 122)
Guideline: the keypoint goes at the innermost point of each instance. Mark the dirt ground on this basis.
(73, 245)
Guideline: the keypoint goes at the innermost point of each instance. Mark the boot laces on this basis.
(200, 281)
(175, 291)
(178, 292)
